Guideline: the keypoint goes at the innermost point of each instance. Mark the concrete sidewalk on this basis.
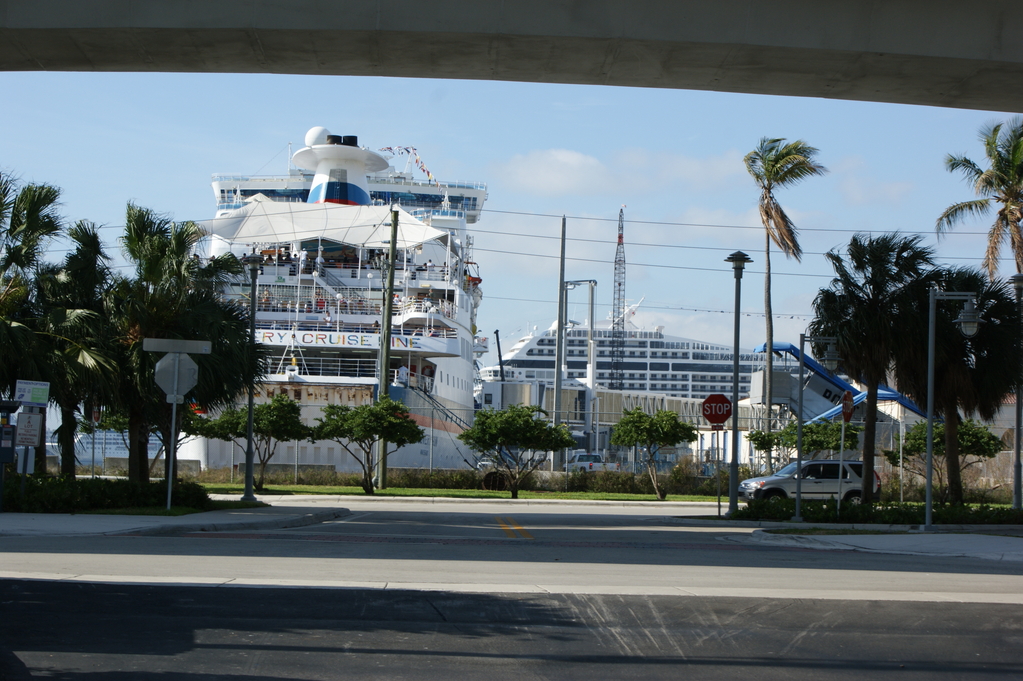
(298, 511)
(65, 524)
(972, 544)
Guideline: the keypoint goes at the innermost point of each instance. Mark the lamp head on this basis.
(738, 260)
(831, 356)
(969, 319)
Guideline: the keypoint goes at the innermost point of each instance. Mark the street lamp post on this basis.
(591, 440)
(738, 260)
(830, 363)
(251, 261)
(1017, 467)
(969, 323)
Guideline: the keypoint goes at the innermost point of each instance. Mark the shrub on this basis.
(614, 482)
(68, 495)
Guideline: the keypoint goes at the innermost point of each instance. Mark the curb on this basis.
(318, 499)
(299, 520)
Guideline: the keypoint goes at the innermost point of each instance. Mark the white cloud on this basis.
(555, 172)
(642, 172)
(858, 188)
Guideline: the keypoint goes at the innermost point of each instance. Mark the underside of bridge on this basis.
(930, 52)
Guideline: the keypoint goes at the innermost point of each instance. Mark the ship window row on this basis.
(414, 200)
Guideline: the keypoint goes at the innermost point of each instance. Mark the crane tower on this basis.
(618, 311)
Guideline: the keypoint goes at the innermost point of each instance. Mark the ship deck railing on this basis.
(335, 367)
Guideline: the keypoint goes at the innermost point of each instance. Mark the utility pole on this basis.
(385, 343)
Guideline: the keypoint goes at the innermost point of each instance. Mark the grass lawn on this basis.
(239, 488)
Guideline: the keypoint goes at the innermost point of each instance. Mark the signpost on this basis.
(7, 436)
(34, 396)
(717, 409)
(847, 412)
(176, 373)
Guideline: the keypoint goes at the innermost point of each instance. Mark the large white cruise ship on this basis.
(323, 232)
(652, 361)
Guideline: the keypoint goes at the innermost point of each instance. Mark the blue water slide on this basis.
(884, 393)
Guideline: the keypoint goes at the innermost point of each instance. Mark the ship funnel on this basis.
(340, 165)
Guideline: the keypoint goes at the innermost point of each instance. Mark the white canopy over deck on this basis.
(263, 221)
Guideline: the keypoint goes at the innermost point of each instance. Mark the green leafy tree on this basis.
(972, 376)
(515, 440)
(273, 422)
(976, 444)
(1000, 184)
(870, 307)
(774, 164)
(662, 429)
(764, 441)
(362, 430)
(821, 436)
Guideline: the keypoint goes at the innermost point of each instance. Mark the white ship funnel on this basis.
(340, 165)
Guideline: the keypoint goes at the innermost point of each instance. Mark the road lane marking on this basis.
(521, 529)
(507, 530)
(507, 524)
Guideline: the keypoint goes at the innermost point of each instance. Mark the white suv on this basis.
(820, 481)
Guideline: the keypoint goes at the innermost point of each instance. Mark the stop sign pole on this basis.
(176, 373)
(847, 412)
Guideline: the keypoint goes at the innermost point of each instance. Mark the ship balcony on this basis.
(344, 370)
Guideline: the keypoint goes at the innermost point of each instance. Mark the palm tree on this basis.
(774, 164)
(1001, 183)
(173, 295)
(29, 218)
(871, 308)
(971, 375)
(70, 332)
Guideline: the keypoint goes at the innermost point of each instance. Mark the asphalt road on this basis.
(79, 631)
(497, 591)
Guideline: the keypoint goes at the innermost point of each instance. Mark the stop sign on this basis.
(717, 408)
(176, 373)
(847, 406)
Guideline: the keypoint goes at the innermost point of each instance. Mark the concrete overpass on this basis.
(932, 52)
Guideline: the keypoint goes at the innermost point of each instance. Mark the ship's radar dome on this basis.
(317, 135)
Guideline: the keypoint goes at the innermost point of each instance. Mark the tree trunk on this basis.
(952, 464)
(869, 436)
(66, 439)
(138, 447)
(651, 470)
(40, 451)
(769, 362)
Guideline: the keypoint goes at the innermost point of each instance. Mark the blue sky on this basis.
(672, 157)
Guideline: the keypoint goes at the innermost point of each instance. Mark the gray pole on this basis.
(799, 435)
(1017, 466)
(385, 343)
(931, 307)
(738, 260)
(172, 448)
(591, 377)
(250, 453)
(559, 348)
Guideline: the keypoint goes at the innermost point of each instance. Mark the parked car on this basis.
(820, 481)
(582, 461)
